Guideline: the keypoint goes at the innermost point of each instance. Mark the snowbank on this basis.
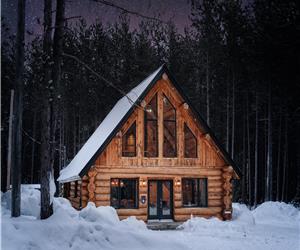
(100, 228)
(276, 213)
(30, 201)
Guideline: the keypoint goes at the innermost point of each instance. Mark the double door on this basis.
(160, 204)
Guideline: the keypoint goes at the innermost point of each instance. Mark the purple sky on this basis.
(176, 10)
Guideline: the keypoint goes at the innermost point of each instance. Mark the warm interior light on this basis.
(114, 183)
(130, 140)
(149, 110)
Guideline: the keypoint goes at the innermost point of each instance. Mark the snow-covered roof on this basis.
(105, 129)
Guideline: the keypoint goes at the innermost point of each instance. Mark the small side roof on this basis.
(114, 120)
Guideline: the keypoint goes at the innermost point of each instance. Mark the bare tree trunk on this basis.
(256, 152)
(244, 157)
(10, 138)
(207, 90)
(270, 150)
(74, 136)
(46, 168)
(279, 158)
(33, 147)
(233, 116)
(285, 154)
(265, 160)
(249, 171)
(227, 116)
(18, 114)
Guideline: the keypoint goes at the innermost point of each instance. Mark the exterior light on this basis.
(143, 183)
(177, 183)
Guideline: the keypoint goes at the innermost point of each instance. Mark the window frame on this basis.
(146, 130)
(169, 121)
(119, 192)
(135, 141)
(199, 192)
(184, 142)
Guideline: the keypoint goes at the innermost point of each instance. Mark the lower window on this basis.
(123, 193)
(194, 192)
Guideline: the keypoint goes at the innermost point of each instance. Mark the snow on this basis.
(98, 138)
(272, 225)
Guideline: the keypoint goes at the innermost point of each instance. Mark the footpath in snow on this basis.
(273, 225)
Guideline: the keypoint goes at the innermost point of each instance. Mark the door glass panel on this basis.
(153, 198)
(166, 199)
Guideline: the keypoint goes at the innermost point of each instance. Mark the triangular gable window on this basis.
(169, 123)
(129, 142)
(151, 129)
(190, 143)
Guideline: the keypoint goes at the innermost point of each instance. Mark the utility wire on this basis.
(109, 83)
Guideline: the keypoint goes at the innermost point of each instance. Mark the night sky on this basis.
(178, 11)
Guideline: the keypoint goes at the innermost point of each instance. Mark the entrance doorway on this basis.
(160, 205)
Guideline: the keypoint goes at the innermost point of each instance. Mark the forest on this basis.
(239, 63)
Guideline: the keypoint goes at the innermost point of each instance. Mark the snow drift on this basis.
(272, 225)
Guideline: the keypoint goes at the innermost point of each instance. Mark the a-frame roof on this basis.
(116, 118)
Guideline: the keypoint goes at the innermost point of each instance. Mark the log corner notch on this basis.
(91, 186)
(227, 197)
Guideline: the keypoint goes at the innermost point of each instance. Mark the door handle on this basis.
(161, 203)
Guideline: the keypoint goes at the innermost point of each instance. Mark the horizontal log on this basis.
(187, 171)
(143, 205)
(215, 190)
(132, 212)
(215, 203)
(83, 203)
(84, 198)
(211, 178)
(102, 190)
(215, 184)
(177, 203)
(84, 184)
(102, 183)
(213, 195)
(198, 210)
(102, 197)
(177, 196)
(84, 192)
(100, 177)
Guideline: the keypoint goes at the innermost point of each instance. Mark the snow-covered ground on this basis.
(272, 225)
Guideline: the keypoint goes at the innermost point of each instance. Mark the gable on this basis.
(118, 116)
(207, 155)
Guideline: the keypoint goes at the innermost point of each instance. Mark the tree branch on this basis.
(107, 3)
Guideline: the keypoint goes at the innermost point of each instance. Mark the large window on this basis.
(151, 129)
(129, 142)
(190, 143)
(194, 192)
(123, 193)
(169, 123)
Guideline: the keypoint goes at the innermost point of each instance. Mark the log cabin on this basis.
(153, 157)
